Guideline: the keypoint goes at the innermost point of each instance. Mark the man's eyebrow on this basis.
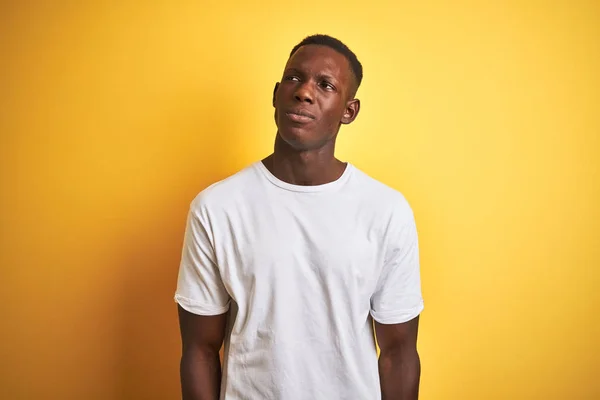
(320, 76)
(292, 69)
(327, 77)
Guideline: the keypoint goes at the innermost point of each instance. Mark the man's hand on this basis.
(399, 364)
(200, 369)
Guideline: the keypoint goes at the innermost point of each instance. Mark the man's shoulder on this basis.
(225, 190)
(381, 195)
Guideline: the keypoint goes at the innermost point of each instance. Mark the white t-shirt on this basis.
(302, 269)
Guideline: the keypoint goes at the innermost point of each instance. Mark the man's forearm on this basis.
(399, 374)
(200, 375)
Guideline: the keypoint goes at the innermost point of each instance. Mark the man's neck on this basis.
(307, 168)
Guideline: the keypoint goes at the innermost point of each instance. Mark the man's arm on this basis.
(200, 368)
(399, 363)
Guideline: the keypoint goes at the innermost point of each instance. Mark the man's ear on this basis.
(275, 92)
(352, 109)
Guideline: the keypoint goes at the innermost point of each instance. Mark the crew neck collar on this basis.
(306, 188)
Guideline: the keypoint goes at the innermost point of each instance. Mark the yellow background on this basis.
(113, 115)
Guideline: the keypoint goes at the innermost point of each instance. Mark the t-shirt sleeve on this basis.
(200, 289)
(397, 297)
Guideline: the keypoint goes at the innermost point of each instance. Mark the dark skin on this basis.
(200, 366)
(316, 81)
(399, 362)
(314, 98)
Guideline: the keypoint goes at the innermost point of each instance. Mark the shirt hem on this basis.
(397, 317)
(198, 308)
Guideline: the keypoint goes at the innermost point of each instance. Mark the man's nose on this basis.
(304, 93)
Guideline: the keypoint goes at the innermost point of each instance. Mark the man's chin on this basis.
(297, 139)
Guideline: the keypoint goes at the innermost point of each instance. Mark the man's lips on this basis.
(300, 116)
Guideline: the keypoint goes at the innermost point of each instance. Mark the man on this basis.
(290, 260)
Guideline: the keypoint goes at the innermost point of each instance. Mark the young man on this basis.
(290, 260)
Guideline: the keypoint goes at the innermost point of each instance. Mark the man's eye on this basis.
(327, 85)
(292, 78)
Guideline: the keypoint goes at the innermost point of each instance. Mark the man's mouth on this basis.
(300, 116)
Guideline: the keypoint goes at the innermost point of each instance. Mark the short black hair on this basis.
(337, 45)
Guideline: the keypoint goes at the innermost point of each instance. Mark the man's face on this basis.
(314, 97)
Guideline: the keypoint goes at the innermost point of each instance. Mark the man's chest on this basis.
(296, 246)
